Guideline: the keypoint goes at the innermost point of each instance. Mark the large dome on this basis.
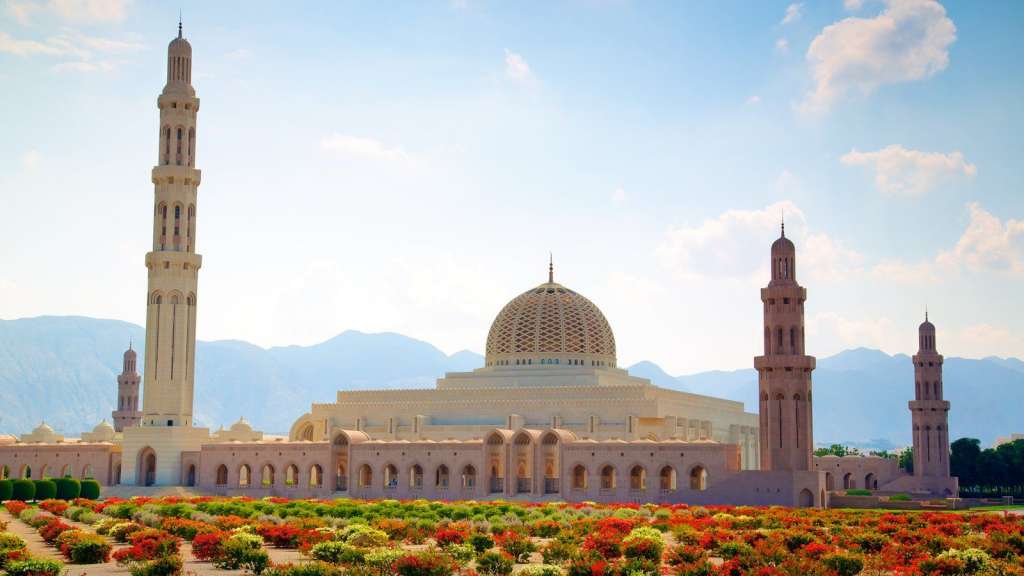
(550, 324)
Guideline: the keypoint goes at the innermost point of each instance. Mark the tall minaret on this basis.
(929, 412)
(784, 372)
(173, 263)
(127, 413)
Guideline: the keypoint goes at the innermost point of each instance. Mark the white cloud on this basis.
(83, 50)
(736, 243)
(853, 5)
(982, 340)
(987, 244)
(782, 45)
(77, 11)
(238, 54)
(619, 197)
(753, 100)
(907, 41)
(909, 172)
(793, 13)
(355, 147)
(516, 67)
(832, 332)
(30, 160)
(90, 11)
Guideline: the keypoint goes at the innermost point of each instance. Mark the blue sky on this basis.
(408, 167)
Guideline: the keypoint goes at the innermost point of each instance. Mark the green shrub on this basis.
(643, 542)
(381, 559)
(900, 497)
(462, 554)
(6, 490)
(858, 492)
(337, 553)
(243, 551)
(303, 569)
(481, 542)
(973, 559)
(22, 489)
(364, 536)
(169, 565)
(9, 543)
(45, 489)
(843, 564)
(68, 488)
(90, 549)
(35, 567)
(90, 489)
(494, 563)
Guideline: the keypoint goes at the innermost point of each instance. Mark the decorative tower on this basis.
(127, 413)
(929, 412)
(169, 374)
(784, 371)
(152, 451)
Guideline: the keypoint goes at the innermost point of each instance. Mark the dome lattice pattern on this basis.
(551, 319)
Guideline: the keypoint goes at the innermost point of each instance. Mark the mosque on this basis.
(550, 415)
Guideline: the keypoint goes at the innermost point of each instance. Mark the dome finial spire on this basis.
(179, 22)
(925, 312)
(783, 220)
(551, 268)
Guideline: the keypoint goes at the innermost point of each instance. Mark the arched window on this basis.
(416, 477)
(291, 475)
(191, 146)
(608, 477)
(579, 477)
(316, 476)
(792, 340)
(935, 389)
(469, 477)
(87, 471)
(5, 472)
(365, 476)
(390, 477)
(244, 476)
(267, 476)
(26, 471)
(167, 145)
(698, 478)
(177, 159)
(667, 478)
(767, 341)
(637, 478)
(441, 477)
(65, 472)
(222, 475)
(848, 481)
(778, 341)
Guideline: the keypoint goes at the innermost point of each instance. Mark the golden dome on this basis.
(550, 324)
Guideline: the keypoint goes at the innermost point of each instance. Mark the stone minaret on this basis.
(784, 371)
(127, 413)
(173, 263)
(929, 412)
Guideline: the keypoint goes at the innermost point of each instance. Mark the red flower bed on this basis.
(281, 536)
(53, 529)
(446, 536)
(208, 547)
(55, 507)
(148, 544)
(15, 507)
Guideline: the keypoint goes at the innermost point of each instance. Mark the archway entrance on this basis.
(190, 478)
(146, 473)
(806, 498)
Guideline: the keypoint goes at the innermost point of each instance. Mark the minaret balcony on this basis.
(929, 405)
(795, 362)
(784, 290)
(174, 260)
(174, 173)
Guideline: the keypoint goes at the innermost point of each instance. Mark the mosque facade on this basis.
(550, 414)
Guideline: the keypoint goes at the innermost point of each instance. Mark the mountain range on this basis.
(63, 369)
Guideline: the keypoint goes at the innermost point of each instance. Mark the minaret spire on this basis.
(551, 268)
(783, 220)
(179, 22)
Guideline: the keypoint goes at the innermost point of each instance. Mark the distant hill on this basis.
(64, 369)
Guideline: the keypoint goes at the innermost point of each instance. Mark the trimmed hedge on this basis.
(45, 489)
(23, 490)
(90, 489)
(6, 490)
(68, 488)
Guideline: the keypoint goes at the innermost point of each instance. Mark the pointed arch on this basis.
(222, 475)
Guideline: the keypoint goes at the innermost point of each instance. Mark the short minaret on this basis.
(784, 371)
(169, 374)
(929, 412)
(127, 413)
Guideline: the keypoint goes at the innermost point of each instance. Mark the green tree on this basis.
(907, 460)
(991, 469)
(836, 450)
(963, 460)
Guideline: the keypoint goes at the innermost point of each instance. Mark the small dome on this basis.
(241, 426)
(551, 319)
(103, 427)
(43, 428)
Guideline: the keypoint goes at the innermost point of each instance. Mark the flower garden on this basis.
(149, 537)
